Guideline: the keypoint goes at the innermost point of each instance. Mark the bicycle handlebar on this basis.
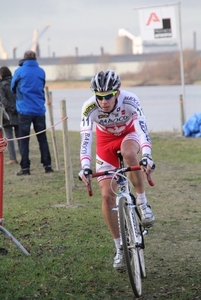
(133, 168)
(126, 169)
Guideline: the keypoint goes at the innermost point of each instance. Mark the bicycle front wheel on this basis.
(142, 262)
(129, 247)
(141, 246)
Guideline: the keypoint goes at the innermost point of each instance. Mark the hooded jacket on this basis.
(8, 102)
(28, 84)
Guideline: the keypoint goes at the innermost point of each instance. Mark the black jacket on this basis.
(8, 99)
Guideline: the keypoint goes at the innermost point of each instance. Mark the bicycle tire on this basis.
(140, 250)
(130, 250)
(142, 263)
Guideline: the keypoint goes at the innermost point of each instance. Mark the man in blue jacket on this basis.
(28, 84)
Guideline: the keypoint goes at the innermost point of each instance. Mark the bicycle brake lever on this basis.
(89, 188)
(150, 181)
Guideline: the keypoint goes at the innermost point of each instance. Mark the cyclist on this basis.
(120, 125)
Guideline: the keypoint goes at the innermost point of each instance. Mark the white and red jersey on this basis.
(127, 117)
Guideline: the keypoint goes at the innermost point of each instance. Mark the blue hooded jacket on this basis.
(28, 84)
(192, 128)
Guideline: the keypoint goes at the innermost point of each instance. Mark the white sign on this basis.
(158, 23)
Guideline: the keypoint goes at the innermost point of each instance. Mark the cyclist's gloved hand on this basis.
(83, 174)
(147, 163)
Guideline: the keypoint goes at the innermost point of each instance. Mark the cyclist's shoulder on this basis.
(89, 106)
(128, 99)
(128, 95)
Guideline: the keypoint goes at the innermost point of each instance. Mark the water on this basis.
(160, 104)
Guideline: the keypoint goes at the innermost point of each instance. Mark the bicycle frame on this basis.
(124, 191)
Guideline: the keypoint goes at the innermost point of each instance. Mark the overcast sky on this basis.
(85, 24)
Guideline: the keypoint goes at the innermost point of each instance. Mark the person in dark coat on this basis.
(10, 115)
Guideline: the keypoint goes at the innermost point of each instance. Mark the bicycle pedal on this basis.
(145, 232)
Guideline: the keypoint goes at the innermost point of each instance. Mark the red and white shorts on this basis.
(107, 146)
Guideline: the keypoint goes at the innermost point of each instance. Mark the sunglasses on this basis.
(106, 96)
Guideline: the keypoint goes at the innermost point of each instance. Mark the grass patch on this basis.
(71, 247)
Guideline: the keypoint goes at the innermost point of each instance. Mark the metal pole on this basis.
(181, 61)
(181, 49)
(1, 167)
(181, 113)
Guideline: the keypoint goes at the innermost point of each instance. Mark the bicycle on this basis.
(132, 231)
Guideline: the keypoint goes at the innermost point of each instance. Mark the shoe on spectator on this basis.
(23, 172)
(48, 169)
(119, 261)
(146, 214)
(12, 161)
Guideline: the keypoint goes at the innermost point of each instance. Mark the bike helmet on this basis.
(105, 81)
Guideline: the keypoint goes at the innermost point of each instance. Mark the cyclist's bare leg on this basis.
(129, 151)
(108, 203)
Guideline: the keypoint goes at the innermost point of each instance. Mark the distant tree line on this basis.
(166, 70)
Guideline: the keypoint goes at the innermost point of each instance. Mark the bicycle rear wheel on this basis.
(129, 246)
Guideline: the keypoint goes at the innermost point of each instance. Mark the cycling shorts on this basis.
(107, 146)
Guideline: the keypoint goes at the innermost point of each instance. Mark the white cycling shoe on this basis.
(119, 261)
(146, 214)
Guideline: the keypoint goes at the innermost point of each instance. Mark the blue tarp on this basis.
(192, 128)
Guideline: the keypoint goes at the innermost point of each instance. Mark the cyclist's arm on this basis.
(133, 108)
(85, 148)
(147, 164)
(142, 131)
(86, 132)
(85, 156)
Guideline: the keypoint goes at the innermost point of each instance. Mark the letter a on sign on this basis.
(152, 18)
(157, 23)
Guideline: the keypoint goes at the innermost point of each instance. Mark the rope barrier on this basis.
(37, 133)
(3, 146)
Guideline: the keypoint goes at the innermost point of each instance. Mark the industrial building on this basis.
(131, 55)
(84, 67)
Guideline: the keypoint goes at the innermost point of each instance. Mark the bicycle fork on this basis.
(134, 228)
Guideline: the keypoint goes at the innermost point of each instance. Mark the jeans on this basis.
(11, 144)
(39, 124)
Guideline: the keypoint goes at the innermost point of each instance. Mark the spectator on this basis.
(8, 102)
(28, 83)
